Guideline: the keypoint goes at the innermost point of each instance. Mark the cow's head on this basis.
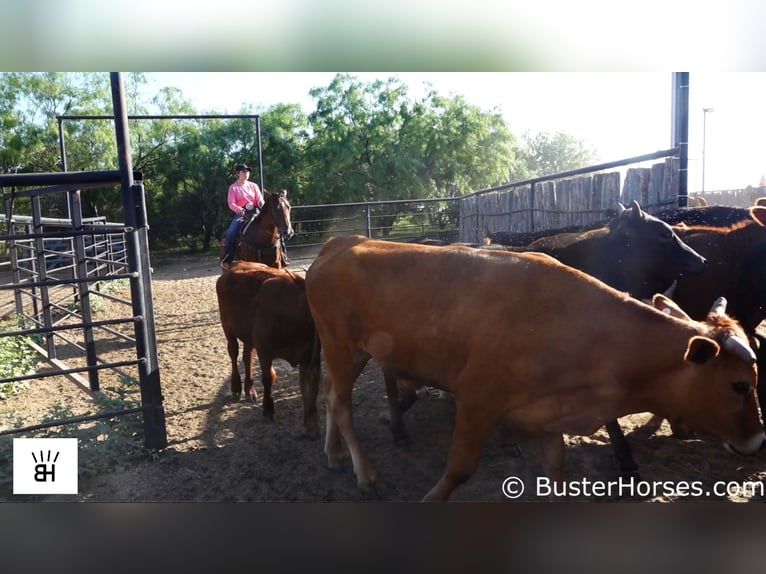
(649, 252)
(719, 394)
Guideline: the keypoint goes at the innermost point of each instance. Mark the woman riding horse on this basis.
(262, 233)
(243, 197)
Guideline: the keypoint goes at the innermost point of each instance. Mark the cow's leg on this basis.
(268, 377)
(621, 449)
(309, 375)
(407, 391)
(343, 369)
(247, 359)
(473, 427)
(395, 408)
(232, 346)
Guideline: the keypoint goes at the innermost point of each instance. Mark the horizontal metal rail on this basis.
(580, 171)
(67, 281)
(75, 370)
(65, 234)
(60, 178)
(74, 420)
(24, 332)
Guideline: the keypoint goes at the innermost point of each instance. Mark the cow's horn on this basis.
(671, 290)
(739, 348)
(719, 306)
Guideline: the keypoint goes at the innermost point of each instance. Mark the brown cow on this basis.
(266, 309)
(736, 270)
(520, 339)
(635, 252)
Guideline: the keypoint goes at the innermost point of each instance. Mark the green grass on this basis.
(16, 359)
(104, 445)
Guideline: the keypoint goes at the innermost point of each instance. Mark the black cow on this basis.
(635, 252)
(712, 215)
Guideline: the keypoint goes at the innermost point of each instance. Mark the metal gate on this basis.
(54, 260)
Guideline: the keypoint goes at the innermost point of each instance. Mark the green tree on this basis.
(459, 148)
(284, 137)
(548, 153)
(29, 106)
(371, 142)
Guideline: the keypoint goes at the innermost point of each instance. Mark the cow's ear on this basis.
(635, 210)
(758, 213)
(701, 350)
(669, 307)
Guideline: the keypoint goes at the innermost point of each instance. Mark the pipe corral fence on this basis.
(577, 197)
(58, 270)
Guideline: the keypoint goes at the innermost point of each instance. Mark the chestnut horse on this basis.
(260, 237)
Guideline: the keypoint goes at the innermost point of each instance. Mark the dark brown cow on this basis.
(735, 270)
(267, 310)
(522, 339)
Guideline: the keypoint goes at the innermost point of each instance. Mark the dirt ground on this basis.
(220, 450)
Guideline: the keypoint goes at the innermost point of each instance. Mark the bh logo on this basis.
(43, 470)
(45, 466)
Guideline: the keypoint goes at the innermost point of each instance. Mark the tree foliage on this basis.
(364, 141)
(549, 153)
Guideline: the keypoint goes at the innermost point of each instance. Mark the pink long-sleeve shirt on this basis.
(241, 193)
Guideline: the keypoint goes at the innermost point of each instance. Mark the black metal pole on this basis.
(680, 114)
(260, 155)
(155, 436)
(62, 147)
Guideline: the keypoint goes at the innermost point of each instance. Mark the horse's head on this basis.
(279, 208)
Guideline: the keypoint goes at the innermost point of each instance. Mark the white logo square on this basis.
(45, 466)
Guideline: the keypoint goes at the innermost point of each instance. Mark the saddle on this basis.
(250, 216)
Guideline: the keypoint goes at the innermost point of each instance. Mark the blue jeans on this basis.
(231, 236)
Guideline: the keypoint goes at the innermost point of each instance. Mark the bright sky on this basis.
(618, 114)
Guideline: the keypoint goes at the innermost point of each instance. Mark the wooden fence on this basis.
(568, 201)
(734, 197)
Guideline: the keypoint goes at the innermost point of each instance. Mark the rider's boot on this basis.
(228, 256)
